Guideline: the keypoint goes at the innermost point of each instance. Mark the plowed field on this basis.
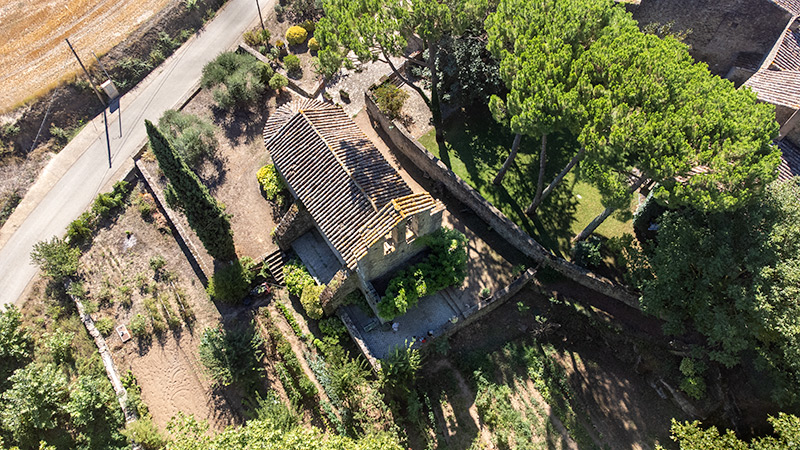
(33, 54)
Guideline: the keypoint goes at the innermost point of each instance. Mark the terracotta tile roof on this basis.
(391, 214)
(793, 6)
(779, 87)
(333, 168)
(790, 160)
(788, 55)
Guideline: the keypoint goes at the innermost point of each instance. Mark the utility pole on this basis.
(260, 18)
(119, 100)
(99, 97)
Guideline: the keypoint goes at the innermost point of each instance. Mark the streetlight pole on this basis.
(99, 97)
(119, 99)
(260, 17)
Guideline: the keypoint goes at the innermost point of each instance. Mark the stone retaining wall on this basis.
(295, 223)
(507, 229)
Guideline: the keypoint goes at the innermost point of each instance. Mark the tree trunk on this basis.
(511, 156)
(435, 105)
(405, 80)
(604, 215)
(542, 165)
(549, 189)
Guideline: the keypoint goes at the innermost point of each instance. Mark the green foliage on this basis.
(278, 82)
(192, 137)
(296, 277)
(34, 402)
(296, 35)
(445, 266)
(232, 356)
(292, 63)
(138, 326)
(130, 71)
(586, 253)
(733, 277)
(270, 408)
(105, 325)
(690, 436)
(311, 302)
(189, 434)
(231, 282)
(313, 44)
(287, 314)
(16, 342)
(56, 259)
(206, 217)
(108, 203)
(693, 383)
(469, 72)
(399, 369)
(59, 344)
(145, 433)
(332, 326)
(80, 230)
(254, 38)
(237, 79)
(157, 263)
(390, 99)
(271, 184)
(294, 380)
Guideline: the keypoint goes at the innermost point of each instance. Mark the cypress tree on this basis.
(204, 214)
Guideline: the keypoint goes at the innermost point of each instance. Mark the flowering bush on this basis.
(269, 181)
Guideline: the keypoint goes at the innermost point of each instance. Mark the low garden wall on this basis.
(506, 228)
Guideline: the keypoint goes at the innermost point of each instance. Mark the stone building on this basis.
(354, 218)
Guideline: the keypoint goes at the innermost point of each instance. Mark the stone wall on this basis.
(507, 229)
(343, 283)
(295, 223)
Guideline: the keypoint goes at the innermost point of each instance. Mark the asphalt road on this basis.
(74, 177)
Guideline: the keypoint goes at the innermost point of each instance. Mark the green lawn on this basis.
(476, 150)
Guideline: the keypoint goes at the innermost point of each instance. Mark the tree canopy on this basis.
(734, 278)
(691, 436)
(192, 137)
(206, 217)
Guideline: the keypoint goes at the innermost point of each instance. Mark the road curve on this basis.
(72, 179)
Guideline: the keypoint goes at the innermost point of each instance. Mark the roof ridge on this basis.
(338, 160)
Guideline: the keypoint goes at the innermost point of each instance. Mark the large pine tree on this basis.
(205, 215)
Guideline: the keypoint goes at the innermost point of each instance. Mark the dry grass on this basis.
(36, 58)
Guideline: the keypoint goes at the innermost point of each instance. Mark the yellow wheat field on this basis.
(33, 54)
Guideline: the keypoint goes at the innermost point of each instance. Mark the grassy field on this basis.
(476, 150)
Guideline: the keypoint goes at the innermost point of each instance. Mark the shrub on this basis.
(296, 277)
(59, 344)
(693, 382)
(310, 26)
(56, 259)
(254, 38)
(278, 81)
(157, 263)
(271, 184)
(236, 78)
(292, 63)
(296, 35)
(313, 44)
(105, 326)
(192, 137)
(586, 253)
(332, 326)
(445, 266)
(390, 99)
(79, 231)
(138, 326)
(107, 203)
(231, 283)
(232, 356)
(145, 433)
(310, 300)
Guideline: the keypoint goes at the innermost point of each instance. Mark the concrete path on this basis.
(78, 173)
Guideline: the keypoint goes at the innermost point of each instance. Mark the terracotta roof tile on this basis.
(788, 55)
(790, 160)
(779, 87)
(332, 167)
(793, 6)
